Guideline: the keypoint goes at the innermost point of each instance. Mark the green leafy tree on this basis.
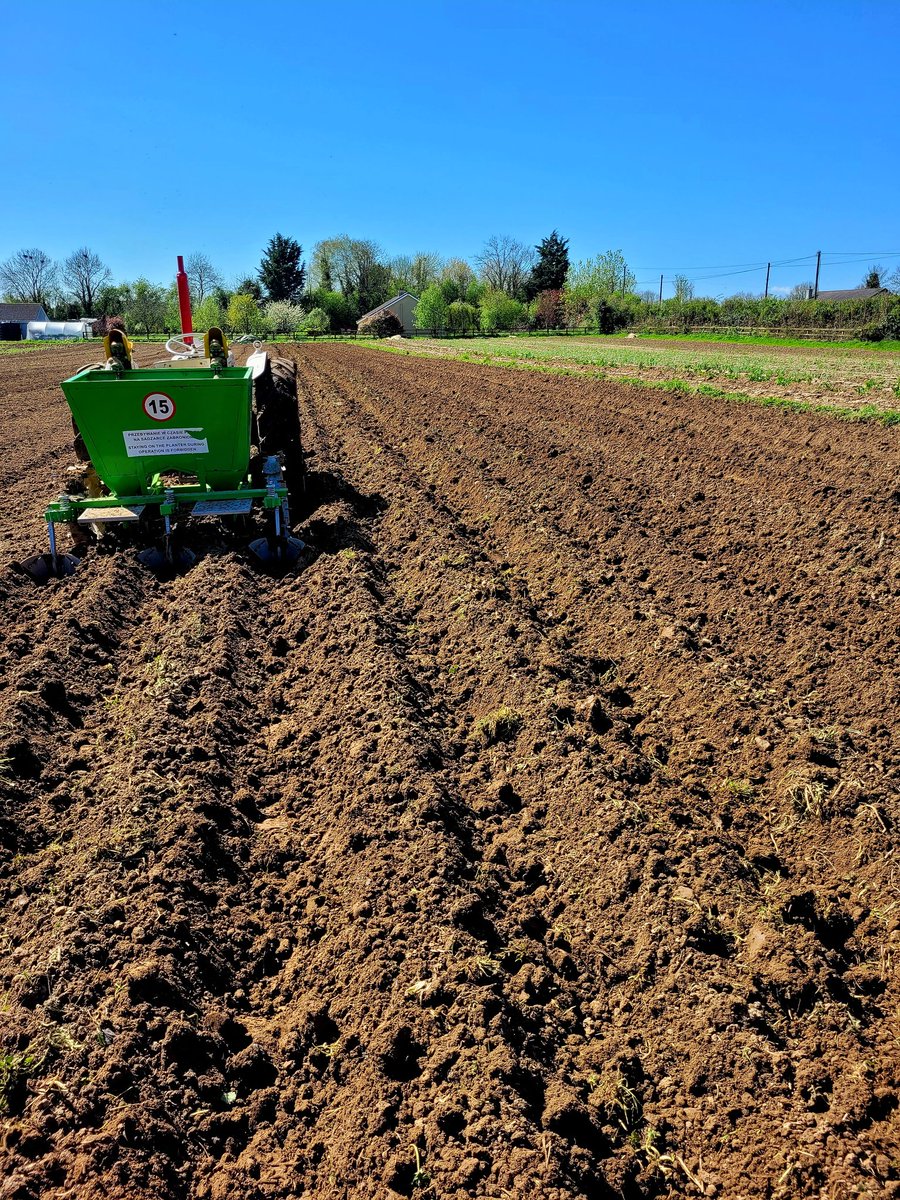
(549, 272)
(354, 266)
(316, 321)
(474, 292)
(501, 312)
(461, 317)
(172, 319)
(281, 271)
(342, 310)
(414, 274)
(604, 275)
(424, 271)
(431, 311)
(375, 288)
(400, 267)
(244, 314)
(111, 299)
(875, 277)
(146, 311)
(209, 313)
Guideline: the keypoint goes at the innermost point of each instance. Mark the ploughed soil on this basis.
(837, 377)
(538, 838)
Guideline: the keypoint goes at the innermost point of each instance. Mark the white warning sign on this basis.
(147, 443)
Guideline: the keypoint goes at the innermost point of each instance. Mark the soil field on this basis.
(537, 840)
(864, 382)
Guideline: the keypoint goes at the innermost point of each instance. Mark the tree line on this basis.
(508, 286)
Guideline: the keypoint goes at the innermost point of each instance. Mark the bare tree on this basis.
(505, 264)
(202, 276)
(321, 273)
(84, 274)
(354, 266)
(684, 289)
(800, 291)
(400, 267)
(415, 273)
(424, 270)
(29, 275)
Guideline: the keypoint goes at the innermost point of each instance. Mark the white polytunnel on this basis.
(50, 330)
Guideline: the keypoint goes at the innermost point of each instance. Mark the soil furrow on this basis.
(537, 838)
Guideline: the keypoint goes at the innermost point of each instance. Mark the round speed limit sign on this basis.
(159, 407)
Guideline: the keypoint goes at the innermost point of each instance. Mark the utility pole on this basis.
(624, 272)
(660, 291)
(768, 269)
(818, 264)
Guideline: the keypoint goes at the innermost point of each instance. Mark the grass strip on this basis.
(759, 339)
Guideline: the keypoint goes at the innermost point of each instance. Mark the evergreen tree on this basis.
(874, 277)
(246, 287)
(282, 272)
(549, 272)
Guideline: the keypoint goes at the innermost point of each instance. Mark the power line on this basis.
(738, 266)
(834, 258)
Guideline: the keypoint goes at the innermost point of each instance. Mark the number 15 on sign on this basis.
(159, 407)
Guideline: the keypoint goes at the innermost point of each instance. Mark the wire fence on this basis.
(823, 334)
(780, 331)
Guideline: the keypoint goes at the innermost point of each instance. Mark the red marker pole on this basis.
(184, 302)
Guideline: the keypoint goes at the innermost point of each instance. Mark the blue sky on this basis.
(693, 136)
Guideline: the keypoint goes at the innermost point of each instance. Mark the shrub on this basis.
(892, 321)
(103, 325)
(381, 324)
(605, 316)
(873, 332)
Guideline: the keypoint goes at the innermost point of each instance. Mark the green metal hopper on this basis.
(141, 424)
(172, 441)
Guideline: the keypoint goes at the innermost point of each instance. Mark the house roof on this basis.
(853, 294)
(388, 304)
(22, 312)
